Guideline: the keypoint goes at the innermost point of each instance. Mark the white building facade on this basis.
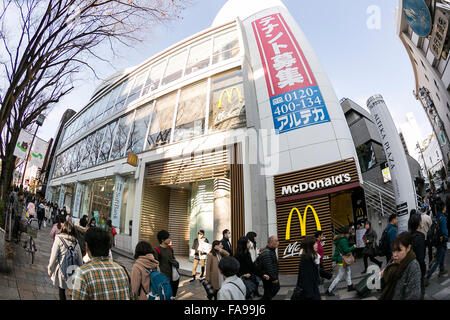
(429, 59)
(237, 127)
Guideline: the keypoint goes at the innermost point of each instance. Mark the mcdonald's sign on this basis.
(229, 93)
(360, 212)
(302, 220)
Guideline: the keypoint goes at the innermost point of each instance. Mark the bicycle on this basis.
(32, 228)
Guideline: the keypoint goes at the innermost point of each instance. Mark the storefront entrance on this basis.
(204, 199)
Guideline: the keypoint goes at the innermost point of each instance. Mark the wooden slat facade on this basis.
(316, 173)
(237, 197)
(154, 212)
(179, 221)
(197, 167)
(290, 265)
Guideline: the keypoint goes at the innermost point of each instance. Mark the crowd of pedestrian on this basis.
(81, 261)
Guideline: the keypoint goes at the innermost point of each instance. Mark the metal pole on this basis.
(28, 156)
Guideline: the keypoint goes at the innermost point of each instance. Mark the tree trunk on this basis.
(8, 165)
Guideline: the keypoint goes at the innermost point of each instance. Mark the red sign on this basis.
(285, 65)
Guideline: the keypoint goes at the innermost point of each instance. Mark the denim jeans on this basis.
(440, 256)
(341, 273)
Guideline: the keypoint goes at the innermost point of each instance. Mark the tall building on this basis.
(236, 127)
(431, 160)
(422, 27)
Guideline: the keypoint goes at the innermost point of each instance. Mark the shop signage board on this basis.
(62, 193)
(295, 98)
(117, 201)
(22, 145)
(302, 211)
(132, 159)
(402, 183)
(418, 16)
(77, 201)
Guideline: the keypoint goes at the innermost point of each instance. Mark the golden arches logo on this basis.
(302, 221)
(360, 212)
(229, 96)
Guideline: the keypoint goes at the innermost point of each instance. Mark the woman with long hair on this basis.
(418, 245)
(308, 272)
(144, 263)
(253, 250)
(213, 276)
(402, 275)
(370, 240)
(247, 269)
(56, 229)
(65, 243)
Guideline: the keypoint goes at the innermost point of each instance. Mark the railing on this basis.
(379, 199)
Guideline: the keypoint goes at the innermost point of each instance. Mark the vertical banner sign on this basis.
(62, 193)
(38, 151)
(404, 189)
(117, 201)
(22, 145)
(77, 201)
(295, 98)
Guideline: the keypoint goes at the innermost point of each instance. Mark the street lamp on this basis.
(39, 122)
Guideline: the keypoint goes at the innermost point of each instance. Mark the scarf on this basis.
(393, 273)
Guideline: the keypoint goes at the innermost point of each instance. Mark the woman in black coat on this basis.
(418, 243)
(308, 274)
(247, 269)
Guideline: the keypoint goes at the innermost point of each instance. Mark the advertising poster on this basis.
(38, 151)
(295, 98)
(117, 201)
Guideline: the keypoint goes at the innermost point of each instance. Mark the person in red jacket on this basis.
(322, 272)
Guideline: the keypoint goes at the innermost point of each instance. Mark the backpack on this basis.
(383, 247)
(160, 288)
(70, 259)
(434, 233)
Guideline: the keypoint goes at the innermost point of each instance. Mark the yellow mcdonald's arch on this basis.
(302, 221)
(229, 96)
(360, 212)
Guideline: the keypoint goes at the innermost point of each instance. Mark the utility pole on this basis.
(39, 122)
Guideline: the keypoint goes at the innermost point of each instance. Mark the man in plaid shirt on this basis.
(100, 279)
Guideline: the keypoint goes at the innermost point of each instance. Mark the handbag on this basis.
(250, 284)
(347, 259)
(208, 288)
(298, 294)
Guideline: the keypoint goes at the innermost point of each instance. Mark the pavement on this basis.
(26, 281)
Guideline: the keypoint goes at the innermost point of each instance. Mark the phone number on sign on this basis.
(295, 100)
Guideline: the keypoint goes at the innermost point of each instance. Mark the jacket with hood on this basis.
(341, 248)
(140, 276)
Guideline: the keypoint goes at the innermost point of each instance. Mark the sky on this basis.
(360, 61)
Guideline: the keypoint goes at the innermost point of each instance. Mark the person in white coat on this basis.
(233, 288)
(63, 242)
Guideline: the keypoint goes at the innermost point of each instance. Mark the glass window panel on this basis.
(227, 109)
(137, 87)
(101, 108)
(89, 117)
(96, 144)
(154, 78)
(190, 120)
(126, 87)
(161, 122)
(175, 67)
(75, 159)
(139, 129)
(82, 153)
(57, 168)
(107, 143)
(366, 156)
(112, 100)
(199, 56)
(86, 153)
(121, 136)
(226, 46)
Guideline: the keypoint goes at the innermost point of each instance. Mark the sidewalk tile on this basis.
(443, 294)
(8, 293)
